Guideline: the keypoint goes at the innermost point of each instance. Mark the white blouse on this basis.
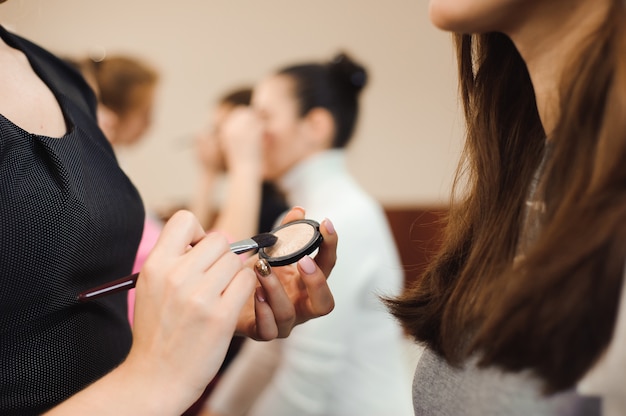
(352, 361)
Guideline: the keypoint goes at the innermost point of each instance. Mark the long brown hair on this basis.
(553, 310)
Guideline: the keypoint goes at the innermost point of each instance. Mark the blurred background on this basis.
(408, 138)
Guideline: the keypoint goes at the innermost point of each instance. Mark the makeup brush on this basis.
(253, 243)
(125, 283)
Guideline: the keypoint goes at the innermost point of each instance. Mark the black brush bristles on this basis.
(265, 239)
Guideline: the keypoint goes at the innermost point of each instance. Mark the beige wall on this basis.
(408, 139)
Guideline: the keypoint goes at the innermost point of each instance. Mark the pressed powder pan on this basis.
(295, 240)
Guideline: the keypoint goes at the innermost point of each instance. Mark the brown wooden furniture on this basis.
(417, 231)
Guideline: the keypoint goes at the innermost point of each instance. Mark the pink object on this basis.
(151, 231)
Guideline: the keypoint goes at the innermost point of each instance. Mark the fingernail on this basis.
(260, 296)
(299, 208)
(307, 264)
(330, 228)
(262, 267)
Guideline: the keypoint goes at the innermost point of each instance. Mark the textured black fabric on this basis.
(69, 220)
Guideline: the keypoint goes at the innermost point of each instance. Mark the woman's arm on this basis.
(211, 167)
(235, 154)
(241, 140)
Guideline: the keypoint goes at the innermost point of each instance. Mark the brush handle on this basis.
(129, 282)
(124, 283)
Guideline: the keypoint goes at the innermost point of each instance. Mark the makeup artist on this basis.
(350, 362)
(69, 220)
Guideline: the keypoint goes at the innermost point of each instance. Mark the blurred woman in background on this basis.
(351, 362)
(125, 87)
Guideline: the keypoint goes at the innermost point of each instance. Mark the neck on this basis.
(547, 45)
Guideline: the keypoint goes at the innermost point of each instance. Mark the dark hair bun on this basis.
(348, 72)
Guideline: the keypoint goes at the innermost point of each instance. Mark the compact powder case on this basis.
(295, 240)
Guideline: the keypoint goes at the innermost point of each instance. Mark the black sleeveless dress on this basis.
(70, 219)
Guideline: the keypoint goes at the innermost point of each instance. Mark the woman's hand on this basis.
(209, 151)
(293, 294)
(241, 140)
(190, 292)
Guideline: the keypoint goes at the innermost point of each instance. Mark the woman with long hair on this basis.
(519, 310)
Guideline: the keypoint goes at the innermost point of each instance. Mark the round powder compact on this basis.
(295, 240)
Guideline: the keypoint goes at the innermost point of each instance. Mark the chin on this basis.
(450, 22)
(445, 14)
(461, 16)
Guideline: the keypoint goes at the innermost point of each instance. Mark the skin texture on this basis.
(25, 99)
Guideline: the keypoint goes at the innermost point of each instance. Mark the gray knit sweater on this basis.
(441, 390)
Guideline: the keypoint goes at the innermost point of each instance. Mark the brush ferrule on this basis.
(243, 246)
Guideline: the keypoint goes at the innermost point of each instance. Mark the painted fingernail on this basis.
(307, 264)
(329, 226)
(260, 296)
(262, 267)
